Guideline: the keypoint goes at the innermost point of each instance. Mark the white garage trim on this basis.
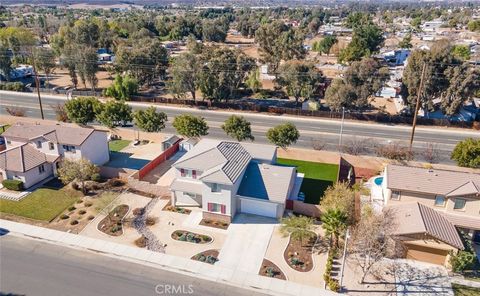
(260, 207)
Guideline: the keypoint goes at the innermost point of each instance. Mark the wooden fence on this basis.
(158, 160)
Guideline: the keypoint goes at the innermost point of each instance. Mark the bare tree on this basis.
(395, 151)
(60, 112)
(431, 153)
(16, 111)
(356, 146)
(371, 239)
(318, 144)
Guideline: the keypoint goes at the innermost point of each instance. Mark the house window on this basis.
(51, 146)
(69, 148)
(39, 144)
(41, 169)
(459, 204)
(188, 173)
(439, 201)
(215, 187)
(395, 195)
(216, 208)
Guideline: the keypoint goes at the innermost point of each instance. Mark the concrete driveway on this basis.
(418, 278)
(246, 243)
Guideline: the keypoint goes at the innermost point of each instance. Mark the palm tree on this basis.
(298, 227)
(334, 222)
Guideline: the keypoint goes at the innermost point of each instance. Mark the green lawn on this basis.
(42, 204)
(4, 128)
(460, 290)
(318, 176)
(117, 145)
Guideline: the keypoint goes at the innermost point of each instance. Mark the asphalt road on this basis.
(325, 132)
(30, 267)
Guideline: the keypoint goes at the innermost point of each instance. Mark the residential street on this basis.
(31, 267)
(311, 129)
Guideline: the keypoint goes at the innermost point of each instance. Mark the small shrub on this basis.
(476, 125)
(394, 151)
(207, 221)
(138, 211)
(96, 177)
(270, 272)
(462, 260)
(82, 212)
(74, 222)
(15, 185)
(76, 186)
(91, 217)
(210, 259)
(79, 201)
(326, 277)
(64, 216)
(72, 208)
(150, 221)
(88, 204)
(334, 285)
(141, 242)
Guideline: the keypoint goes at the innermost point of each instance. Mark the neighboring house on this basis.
(424, 234)
(34, 151)
(456, 195)
(225, 178)
(396, 57)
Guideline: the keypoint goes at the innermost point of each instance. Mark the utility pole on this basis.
(417, 106)
(341, 130)
(37, 84)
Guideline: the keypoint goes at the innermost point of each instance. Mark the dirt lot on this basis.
(61, 78)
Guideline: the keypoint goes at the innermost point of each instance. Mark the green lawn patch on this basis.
(117, 145)
(460, 290)
(42, 204)
(4, 128)
(318, 176)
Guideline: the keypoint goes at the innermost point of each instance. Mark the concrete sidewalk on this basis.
(185, 266)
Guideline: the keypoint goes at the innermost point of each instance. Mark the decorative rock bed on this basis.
(140, 224)
(208, 256)
(269, 269)
(191, 237)
(298, 254)
(112, 224)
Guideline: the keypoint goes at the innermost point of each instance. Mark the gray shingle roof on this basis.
(432, 181)
(22, 158)
(416, 218)
(54, 133)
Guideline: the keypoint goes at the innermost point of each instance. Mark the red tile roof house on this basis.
(34, 150)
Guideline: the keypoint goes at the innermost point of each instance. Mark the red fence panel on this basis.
(158, 160)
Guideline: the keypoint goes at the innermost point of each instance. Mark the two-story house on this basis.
(225, 178)
(34, 150)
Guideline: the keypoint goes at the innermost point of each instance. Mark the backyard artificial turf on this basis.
(318, 176)
(117, 145)
(43, 204)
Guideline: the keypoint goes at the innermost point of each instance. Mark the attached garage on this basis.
(261, 208)
(426, 254)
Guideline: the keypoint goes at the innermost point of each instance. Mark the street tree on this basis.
(122, 88)
(334, 222)
(82, 110)
(5, 62)
(299, 228)
(283, 135)
(114, 113)
(238, 128)
(253, 80)
(190, 126)
(149, 120)
(87, 67)
(45, 61)
(80, 170)
(300, 79)
(467, 153)
(185, 75)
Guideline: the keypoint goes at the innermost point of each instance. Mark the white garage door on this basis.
(259, 208)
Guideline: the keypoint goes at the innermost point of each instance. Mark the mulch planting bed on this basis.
(298, 255)
(215, 223)
(208, 256)
(269, 269)
(170, 208)
(191, 237)
(112, 223)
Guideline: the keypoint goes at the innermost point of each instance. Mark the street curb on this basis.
(215, 273)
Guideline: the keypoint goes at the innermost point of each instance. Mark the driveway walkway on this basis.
(424, 279)
(247, 242)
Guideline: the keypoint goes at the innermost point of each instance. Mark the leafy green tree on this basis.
(463, 260)
(474, 25)
(80, 170)
(82, 110)
(367, 39)
(361, 80)
(45, 61)
(334, 222)
(149, 120)
(415, 23)
(190, 126)
(406, 42)
(214, 31)
(299, 228)
(467, 153)
(238, 128)
(340, 197)
(461, 52)
(278, 42)
(114, 113)
(5, 62)
(123, 88)
(325, 45)
(185, 73)
(253, 80)
(283, 135)
(301, 79)
(87, 67)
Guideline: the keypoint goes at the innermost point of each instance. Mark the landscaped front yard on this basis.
(43, 204)
(318, 176)
(117, 145)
